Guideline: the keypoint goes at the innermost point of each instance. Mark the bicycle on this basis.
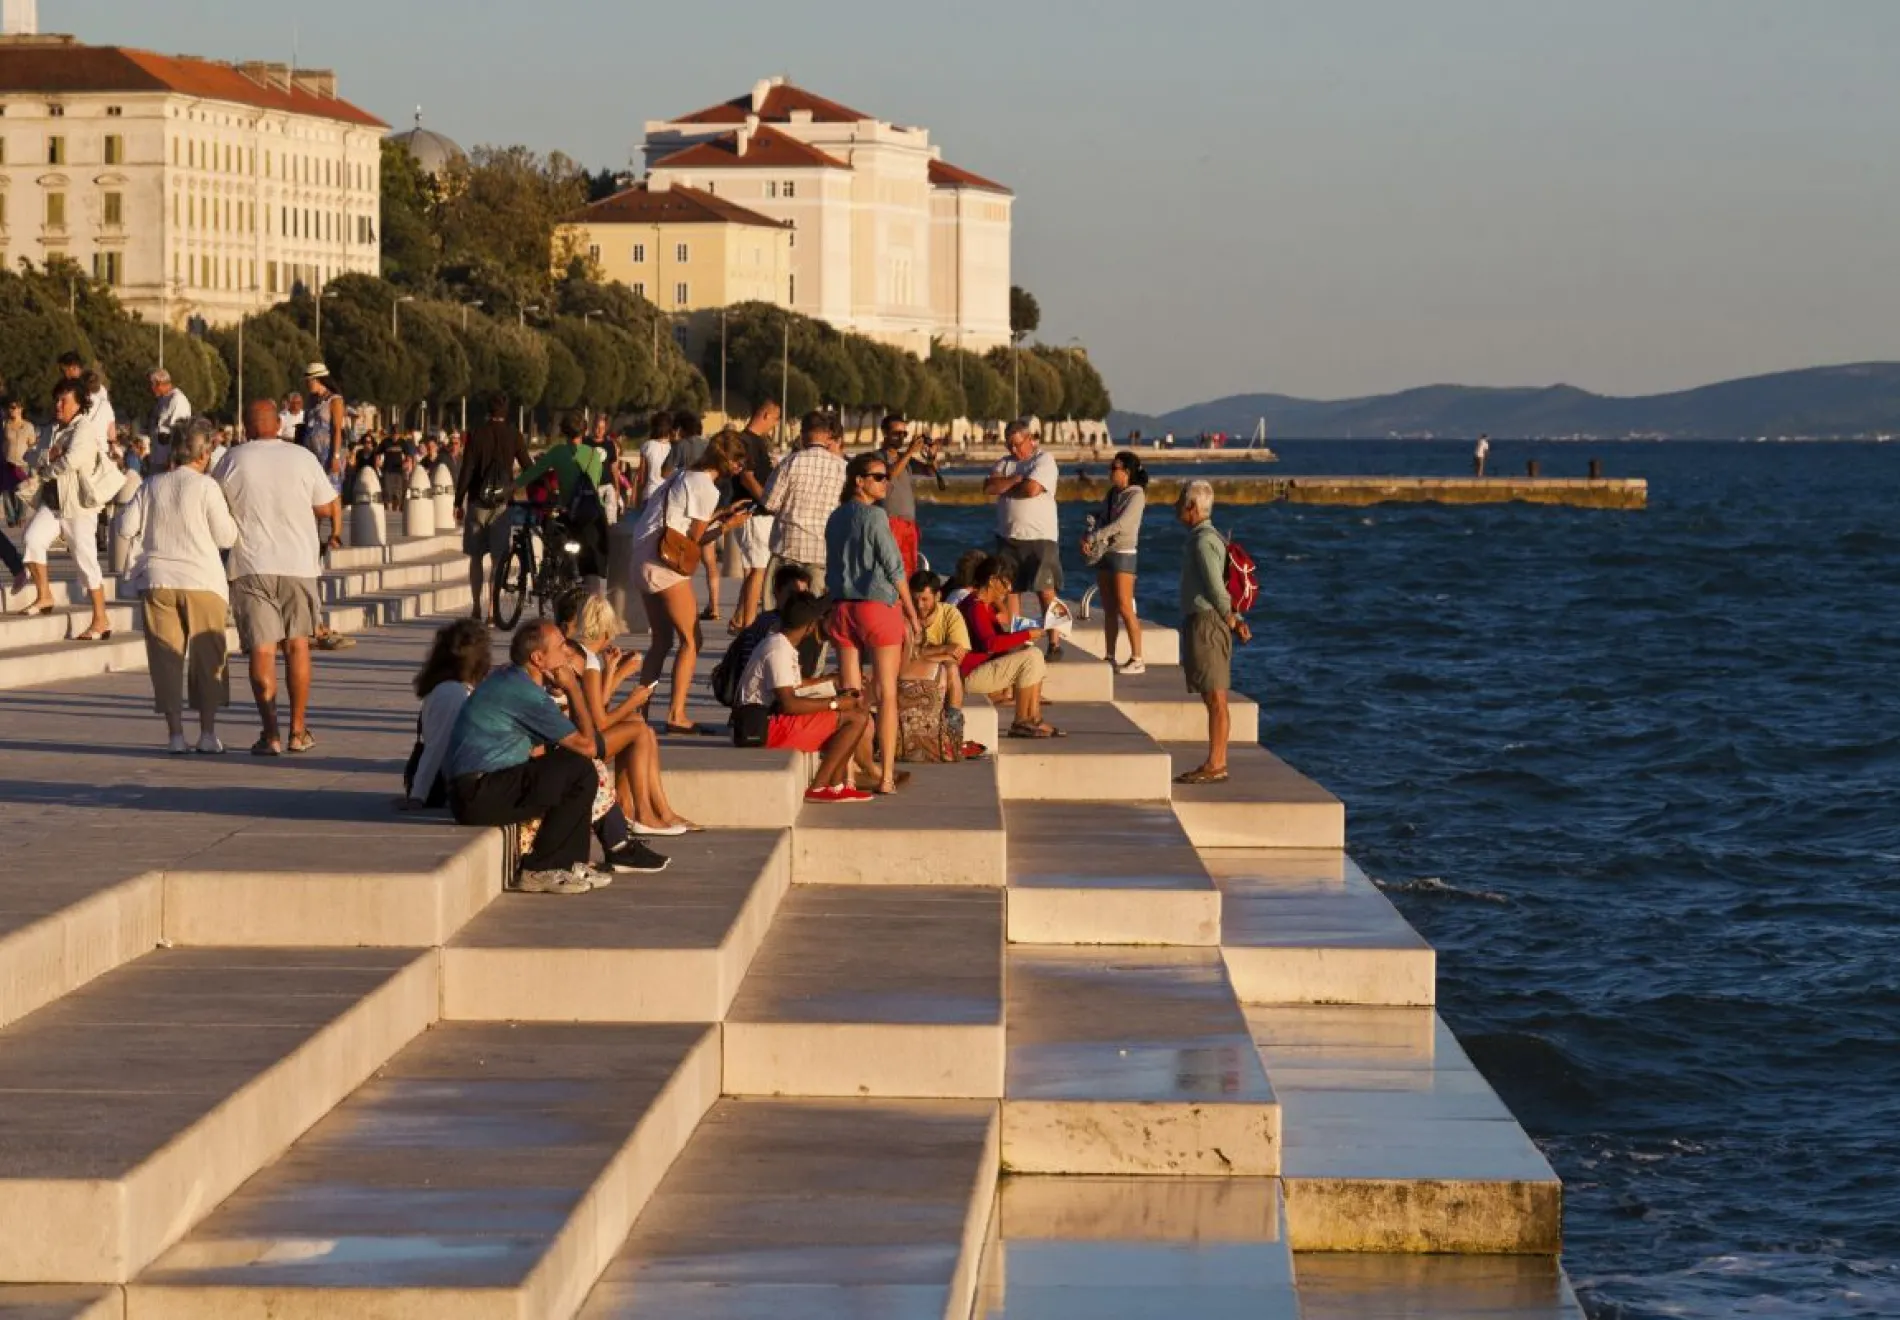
(548, 576)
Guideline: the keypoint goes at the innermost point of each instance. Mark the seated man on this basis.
(945, 640)
(514, 757)
(1003, 664)
(838, 728)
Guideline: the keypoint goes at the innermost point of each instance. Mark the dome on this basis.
(431, 151)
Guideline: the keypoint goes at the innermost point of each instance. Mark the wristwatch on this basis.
(834, 703)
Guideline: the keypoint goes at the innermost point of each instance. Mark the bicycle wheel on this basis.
(511, 584)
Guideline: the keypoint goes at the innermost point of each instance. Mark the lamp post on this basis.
(322, 293)
(465, 306)
(722, 363)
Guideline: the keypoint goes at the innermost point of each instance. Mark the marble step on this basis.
(104, 913)
(669, 947)
(1347, 1286)
(1310, 928)
(59, 1302)
(1106, 873)
(1105, 758)
(134, 1105)
(1075, 676)
(487, 1171)
(62, 661)
(1162, 707)
(1395, 1143)
(811, 1208)
(1159, 645)
(722, 787)
(1265, 802)
(873, 991)
(18, 632)
(956, 838)
(1132, 1061)
(1138, 1249)
(63, 579)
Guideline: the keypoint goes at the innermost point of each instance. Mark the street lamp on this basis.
(321, 295)
(722, 363)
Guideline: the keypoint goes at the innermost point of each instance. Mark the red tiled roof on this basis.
(778, 107)
(770, 149)
(640, 205)
(945, 175)
(57, 68)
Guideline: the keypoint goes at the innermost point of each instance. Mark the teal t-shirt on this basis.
(505, 719)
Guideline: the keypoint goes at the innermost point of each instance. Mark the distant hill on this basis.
(1856, 400)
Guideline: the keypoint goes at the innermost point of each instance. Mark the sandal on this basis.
(974, 750)
(1202, 777)
(266, 746)
(301, 741)
(90, 636)
(689, 730)
(1021, 729)
(36, 611)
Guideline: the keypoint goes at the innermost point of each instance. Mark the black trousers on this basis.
(556, 789)
(10, 556)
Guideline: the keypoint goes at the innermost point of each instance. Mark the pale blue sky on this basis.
(1320, 197)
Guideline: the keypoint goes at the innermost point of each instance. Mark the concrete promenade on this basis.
(1351, 491)
(1043, 1037)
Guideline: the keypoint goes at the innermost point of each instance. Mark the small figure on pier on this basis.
(1480, 454)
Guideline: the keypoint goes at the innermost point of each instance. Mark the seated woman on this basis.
(1003, 664)
(589, 622)
(837, 728)
(458, 661)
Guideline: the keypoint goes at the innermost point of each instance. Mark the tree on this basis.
(410, 254)
(597, 352)
(498, 218)
(1025, 313)
(566, 380)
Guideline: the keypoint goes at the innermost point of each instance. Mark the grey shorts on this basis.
(1038, 564)
(1117, 561)
(1207, 653)
(484, 530)
(272, 609)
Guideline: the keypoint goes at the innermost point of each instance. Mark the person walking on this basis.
(682, 516)
(655, 450)
(576, 468)
(1210, 626)
(1110, 546)
(20, 439)
(871, 605)
(803, 493)
(1480, 454)
(1023, 484)
(278, 493)
(755, 537)
(900, 453)
(496, 452)
(76, 481)
(171, 414)
(176, 565)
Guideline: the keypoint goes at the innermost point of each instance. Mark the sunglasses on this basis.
(877, 476)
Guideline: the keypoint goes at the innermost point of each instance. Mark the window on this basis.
(791, 239)
(593, 252)
(115, 111)
(791, 289)
(679, 295)
(115, 209)
(55, 151)
(771, 188)
(270, 276)
(56, 111)
(108, 267)
(3, 210)
(639, 289)
(115, 149)
(639, 254)
(791, 189)
(56, 210)
(680, 254)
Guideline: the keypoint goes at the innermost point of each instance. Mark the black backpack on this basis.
(731, 667)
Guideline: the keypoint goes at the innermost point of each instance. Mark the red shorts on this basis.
(865, 625)
(904, 532)
(802, 733)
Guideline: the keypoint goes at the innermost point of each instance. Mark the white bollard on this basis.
(418, 509)
(368, 526)
(442, 491)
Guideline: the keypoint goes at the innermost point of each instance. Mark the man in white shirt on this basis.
(171, 413)
(290, 418)
(1480, 454)
(279, 494)
(803, 494)
(1027, 532)
(837, 728)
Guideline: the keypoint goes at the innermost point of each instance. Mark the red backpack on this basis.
(1243, 578)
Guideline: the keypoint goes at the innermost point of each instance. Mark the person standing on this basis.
(1480, 454)
(803, 493)
(185, 521)
(655, 452)
(576, 468)
(276, 490)
(1209, 628)
(872, 609)
(21, 437)
(496, 452)
(72, 491)
(326, 423)
(900, 453)
(1024, 488)
(755, 537)
(171, 414)
(290, 418)
(1110, 546)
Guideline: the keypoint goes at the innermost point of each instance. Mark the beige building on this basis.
(196, 188)
(887, 239)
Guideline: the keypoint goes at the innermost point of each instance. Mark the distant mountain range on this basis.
(1858, 400)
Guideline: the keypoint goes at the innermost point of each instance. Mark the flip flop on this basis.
(301, 741)
(690, 731)
(1034, 732)
(1202, 777)
(90, 636)
(266, 747)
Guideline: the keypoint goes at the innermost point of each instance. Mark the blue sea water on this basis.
(1633, 775)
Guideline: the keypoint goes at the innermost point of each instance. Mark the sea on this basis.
(1633, 774)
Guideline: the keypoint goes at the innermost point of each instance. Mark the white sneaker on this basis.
(1134, 667)
(552, 882)
(178, 746)
(208, 745)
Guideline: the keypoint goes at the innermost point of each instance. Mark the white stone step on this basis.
(1078, 677)
(488, 1170)
(670, 947)
(17, 631)
(1310, 928)
(1396, 1143)
(1106, 873)
(722, 787)
(66, 588)
(63, 661)
(1159, 645)
(1132, 1061)
(1105, 758)
(1265, 803)
(134, 1105)
(1162, 707)
(60, 1302)
(1348, 1286)
(808, 1208)
(102, 914)
(873, 991)
(1138, 1249)
(956, 838)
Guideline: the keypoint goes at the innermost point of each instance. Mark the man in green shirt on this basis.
(1208, 626)
(576, 465)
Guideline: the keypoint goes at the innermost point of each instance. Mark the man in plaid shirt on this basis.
(803, 494)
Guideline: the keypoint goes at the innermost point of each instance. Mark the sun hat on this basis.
(316, 371)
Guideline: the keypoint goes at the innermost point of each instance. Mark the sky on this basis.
(1324, 198)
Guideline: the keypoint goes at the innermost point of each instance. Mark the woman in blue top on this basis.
(872, 609)
(1110, 546)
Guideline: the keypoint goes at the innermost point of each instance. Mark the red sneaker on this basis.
(847, 793)
(821, 795)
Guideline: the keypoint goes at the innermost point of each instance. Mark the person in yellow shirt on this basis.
(945, 639)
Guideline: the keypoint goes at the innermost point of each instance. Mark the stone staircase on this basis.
(1018, 1043)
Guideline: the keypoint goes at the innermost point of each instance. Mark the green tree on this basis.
(598, 353)
(409, 248)
(1025, 313)
(565, 380)
(498, 217)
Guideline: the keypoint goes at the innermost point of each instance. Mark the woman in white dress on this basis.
(77, 480)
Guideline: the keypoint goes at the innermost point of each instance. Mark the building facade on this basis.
(887, 239)
(195, 188)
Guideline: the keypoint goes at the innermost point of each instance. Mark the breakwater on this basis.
(1351, 491)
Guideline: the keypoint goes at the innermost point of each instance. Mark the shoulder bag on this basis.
(677, 550)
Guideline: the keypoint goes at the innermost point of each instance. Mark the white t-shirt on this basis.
(273, 488)
(653, 453)
(773, 666)
(440, 709)
(1029, 520)
(287, 424)
(688, 498)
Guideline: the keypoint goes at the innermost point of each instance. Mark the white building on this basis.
(888, 239)
(195, 188)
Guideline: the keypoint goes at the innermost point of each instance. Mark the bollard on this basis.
(1596, 469)
(368, 523)
(1531, 469)
(442, 490)
(418, 510)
